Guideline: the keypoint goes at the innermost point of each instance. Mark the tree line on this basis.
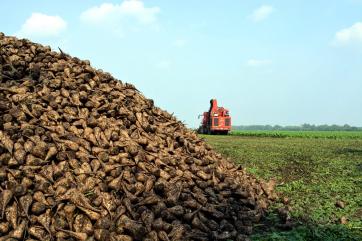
(304, 127)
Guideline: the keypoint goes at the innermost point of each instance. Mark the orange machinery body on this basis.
(216, 121)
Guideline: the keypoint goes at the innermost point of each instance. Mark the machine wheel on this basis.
(219, 132)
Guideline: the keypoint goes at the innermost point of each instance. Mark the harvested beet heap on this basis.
(85, 157)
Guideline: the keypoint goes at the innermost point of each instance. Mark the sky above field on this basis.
(269, 62)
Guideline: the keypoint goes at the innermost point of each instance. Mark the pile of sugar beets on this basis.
(84, 156)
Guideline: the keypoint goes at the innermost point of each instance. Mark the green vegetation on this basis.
(300, 134)
(314, 173)
(304, 127)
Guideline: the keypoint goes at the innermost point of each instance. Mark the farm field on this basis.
(301, 134)
(314, 173)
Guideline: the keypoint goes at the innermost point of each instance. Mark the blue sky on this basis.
(269, 62)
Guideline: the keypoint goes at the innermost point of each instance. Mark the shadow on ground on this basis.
(273, 229)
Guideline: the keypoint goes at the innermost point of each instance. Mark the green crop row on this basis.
(301, 134)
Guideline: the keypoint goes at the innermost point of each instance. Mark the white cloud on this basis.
(347, 36)
(258, 62)
(261, 13)
(129, 14)
(42, 25)
(180, 43)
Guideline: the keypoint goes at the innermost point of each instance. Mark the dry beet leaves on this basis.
(84, 156)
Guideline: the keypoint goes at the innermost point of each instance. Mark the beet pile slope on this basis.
(84, 156)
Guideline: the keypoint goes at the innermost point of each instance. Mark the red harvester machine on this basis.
(216, 121)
